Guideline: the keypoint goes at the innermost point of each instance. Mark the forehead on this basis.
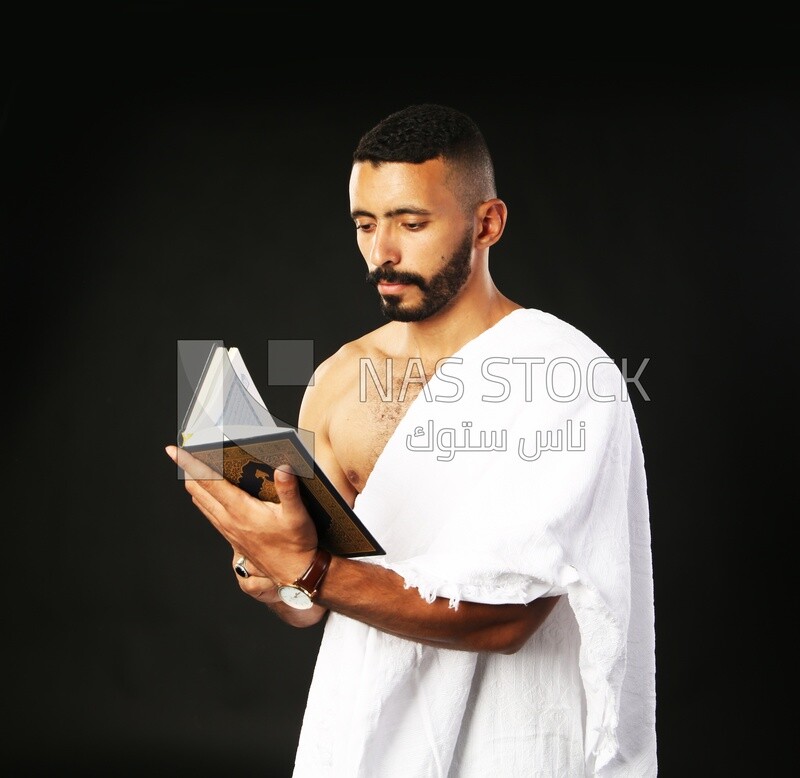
(394, 185)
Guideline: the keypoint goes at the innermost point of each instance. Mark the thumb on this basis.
(286, 486)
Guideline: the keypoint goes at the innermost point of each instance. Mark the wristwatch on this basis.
(301, 593)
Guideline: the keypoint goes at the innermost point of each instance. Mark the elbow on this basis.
(496, 647)
(505, 639)
(513, 635)
(511, 646)
(509, 628)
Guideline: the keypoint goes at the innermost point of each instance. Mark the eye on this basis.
(365, 227)
(414, 226)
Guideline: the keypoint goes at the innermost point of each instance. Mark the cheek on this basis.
(439, 244)
(425, 251)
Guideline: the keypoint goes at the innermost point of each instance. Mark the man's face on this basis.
(414, 236)
(437, 291)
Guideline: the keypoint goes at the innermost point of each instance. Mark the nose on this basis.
(384, 249)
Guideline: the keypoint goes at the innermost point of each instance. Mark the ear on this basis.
(491, 215)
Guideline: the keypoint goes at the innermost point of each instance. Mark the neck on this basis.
(468, 315)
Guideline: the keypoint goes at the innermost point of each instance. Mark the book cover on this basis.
(228, 426)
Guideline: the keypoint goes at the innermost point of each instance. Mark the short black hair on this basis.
(428, 131)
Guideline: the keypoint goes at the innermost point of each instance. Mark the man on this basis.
(508, 630)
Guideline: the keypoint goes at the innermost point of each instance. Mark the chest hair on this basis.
(380, 408)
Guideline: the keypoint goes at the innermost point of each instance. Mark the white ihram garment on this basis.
(504, 525)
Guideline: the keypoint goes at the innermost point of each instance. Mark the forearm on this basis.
(378, 597)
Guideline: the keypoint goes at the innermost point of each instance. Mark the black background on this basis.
(154, 191)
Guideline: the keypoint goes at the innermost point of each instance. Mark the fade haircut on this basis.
(427, 131)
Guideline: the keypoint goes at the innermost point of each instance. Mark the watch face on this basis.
(295, 597)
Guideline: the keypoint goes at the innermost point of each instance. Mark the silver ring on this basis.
(240, 568)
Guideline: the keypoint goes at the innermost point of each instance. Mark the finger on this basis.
(202, 478)
(257, 585)
(287, 488)
(242, 564)
(261, 589)
(193, 467)
(294, 516)
(202, 475)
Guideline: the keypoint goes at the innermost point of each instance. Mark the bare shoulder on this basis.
(336, 377)
(332, 411)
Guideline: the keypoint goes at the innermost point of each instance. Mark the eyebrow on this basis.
(404, 211)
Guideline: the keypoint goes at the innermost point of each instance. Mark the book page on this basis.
(241, 406)
(225, 397)
(205, 407)
(239, 367)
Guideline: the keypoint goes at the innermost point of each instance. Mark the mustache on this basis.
(392, 276)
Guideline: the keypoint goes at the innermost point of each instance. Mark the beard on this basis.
(437, 292)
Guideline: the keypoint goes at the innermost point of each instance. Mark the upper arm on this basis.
(314, 416)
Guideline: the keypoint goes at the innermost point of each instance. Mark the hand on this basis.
(277, 538)
(257, 585)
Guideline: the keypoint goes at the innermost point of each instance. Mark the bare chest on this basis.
(362, 421)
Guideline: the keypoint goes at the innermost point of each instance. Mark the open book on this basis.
(228, 426)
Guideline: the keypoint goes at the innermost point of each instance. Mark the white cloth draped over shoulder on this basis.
(518, 472)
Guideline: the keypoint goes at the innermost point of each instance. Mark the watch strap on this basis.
(311, 580)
